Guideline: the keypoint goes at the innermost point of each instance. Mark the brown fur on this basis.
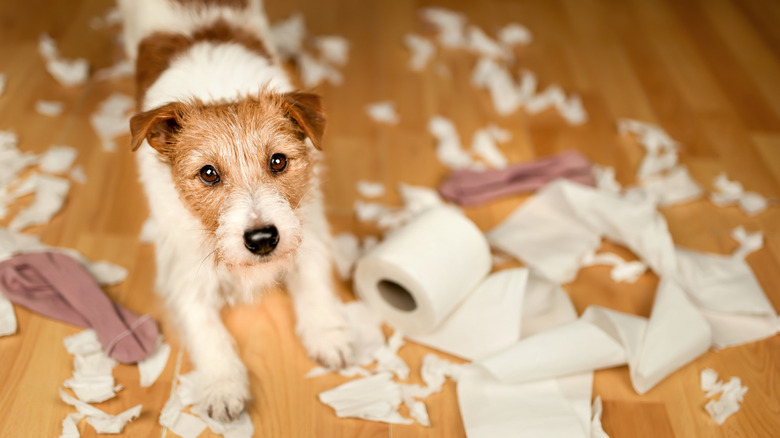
(157, 51)
(238, 139)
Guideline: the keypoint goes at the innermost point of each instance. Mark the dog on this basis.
(229, 158)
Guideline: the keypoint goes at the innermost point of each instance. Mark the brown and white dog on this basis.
(228, 155)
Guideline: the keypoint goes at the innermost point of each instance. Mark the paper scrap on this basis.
(416, 200)
(731, 192)
(68, 72)
(181, 423)
(150, 368)
(58, 159)
(421, 49)
(288, 35)
(731, 394)
(93, 380)
(514, 34)
(383, 112)
(479, 42)
(333, 49)
(483, 145)
(316, 71)
(70, 426)
(622, 270)
(748, 242)
(50, 192)
(448, 146)
(112, 119)
(488, 74)
(77, 174)
(370, 189)
(101, 421)
(605, 179)
(673, 187)
(450, 25)
(7, 317)
(51, 108)
(375, 398)
(122, 69)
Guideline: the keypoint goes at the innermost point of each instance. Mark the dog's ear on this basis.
(158, 126)
(307, 111)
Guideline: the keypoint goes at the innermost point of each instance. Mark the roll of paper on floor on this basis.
(417, 276)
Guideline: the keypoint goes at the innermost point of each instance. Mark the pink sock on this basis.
(59, 287)
(471, 187)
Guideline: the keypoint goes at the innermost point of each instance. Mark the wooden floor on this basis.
(708, 71)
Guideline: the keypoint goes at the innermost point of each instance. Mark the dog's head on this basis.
(242, 168)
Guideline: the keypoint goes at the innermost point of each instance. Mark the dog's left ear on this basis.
(158, 126)
(306, 110)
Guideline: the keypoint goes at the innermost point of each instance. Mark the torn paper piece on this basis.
(7, 317)
(92, 389)
(731, 192)
(50, 192)
(181, 423)
(527, 88)
(653, 138)
(150, 368)
(288, 35)
(67, 72)
(421, 49)
(731, 394)
(478, 42)
(314, 71)
(596, 429)
(448, 146)
(674, 187)
(14, 160)
(498, 81)
(51, 108)
(375, 398)
(70, 426)
(605, 179)
(148, 231)
(570, 108)
(418, 199)
(622, 270)
(124, 68)
(387, 359)
(333, 49)
(112, 119)
(57, 159)
(418, 411)
(514, 34)
(652, 165)
(93, 380)
(483, 144)
(450, 25)
(748, 242)
(370, 189)
(77, 174)
(384, 216)
(101, 421)
(383, 112)
(106, 273)
(346, 250)
(111, 17)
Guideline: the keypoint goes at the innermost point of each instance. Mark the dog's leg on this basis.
(321, 324)
(192, 295)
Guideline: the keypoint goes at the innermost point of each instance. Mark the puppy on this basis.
(228, 155)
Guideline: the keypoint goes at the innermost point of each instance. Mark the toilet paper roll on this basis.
(419, 274)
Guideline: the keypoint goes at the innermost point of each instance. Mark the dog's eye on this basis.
(209, 175)
(278, 163)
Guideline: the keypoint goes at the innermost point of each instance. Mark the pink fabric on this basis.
(59, 287)
(472, 187)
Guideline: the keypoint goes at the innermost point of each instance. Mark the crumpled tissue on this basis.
(383, 112)
(421, 50)
(68, 72)
(731, 394)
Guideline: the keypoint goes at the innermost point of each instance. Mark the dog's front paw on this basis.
(224, 400)
(328, 344)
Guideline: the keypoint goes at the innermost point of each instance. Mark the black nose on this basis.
(262, 241)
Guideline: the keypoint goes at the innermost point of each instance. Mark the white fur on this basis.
(193, 284)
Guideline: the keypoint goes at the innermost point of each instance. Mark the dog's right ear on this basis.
(158, 126)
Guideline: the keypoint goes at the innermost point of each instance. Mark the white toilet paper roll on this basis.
(417, 276)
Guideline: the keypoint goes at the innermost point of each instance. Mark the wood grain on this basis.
(705, 70)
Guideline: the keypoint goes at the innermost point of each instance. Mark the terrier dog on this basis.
(228, 155)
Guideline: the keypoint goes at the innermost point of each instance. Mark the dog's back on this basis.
(212, 50)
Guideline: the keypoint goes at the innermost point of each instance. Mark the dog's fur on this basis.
(211, 92)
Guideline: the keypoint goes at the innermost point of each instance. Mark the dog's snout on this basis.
(261, 241)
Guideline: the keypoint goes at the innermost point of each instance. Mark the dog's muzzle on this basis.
(261, 241)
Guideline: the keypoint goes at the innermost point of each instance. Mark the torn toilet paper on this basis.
(68, 72)
(731, 192)
(383, 112)
(421, 49)
(112, 119)
(51, 108)
(731, 394)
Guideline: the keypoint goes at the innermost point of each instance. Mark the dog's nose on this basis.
(261, 241)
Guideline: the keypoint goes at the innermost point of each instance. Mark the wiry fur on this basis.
(210, 100)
